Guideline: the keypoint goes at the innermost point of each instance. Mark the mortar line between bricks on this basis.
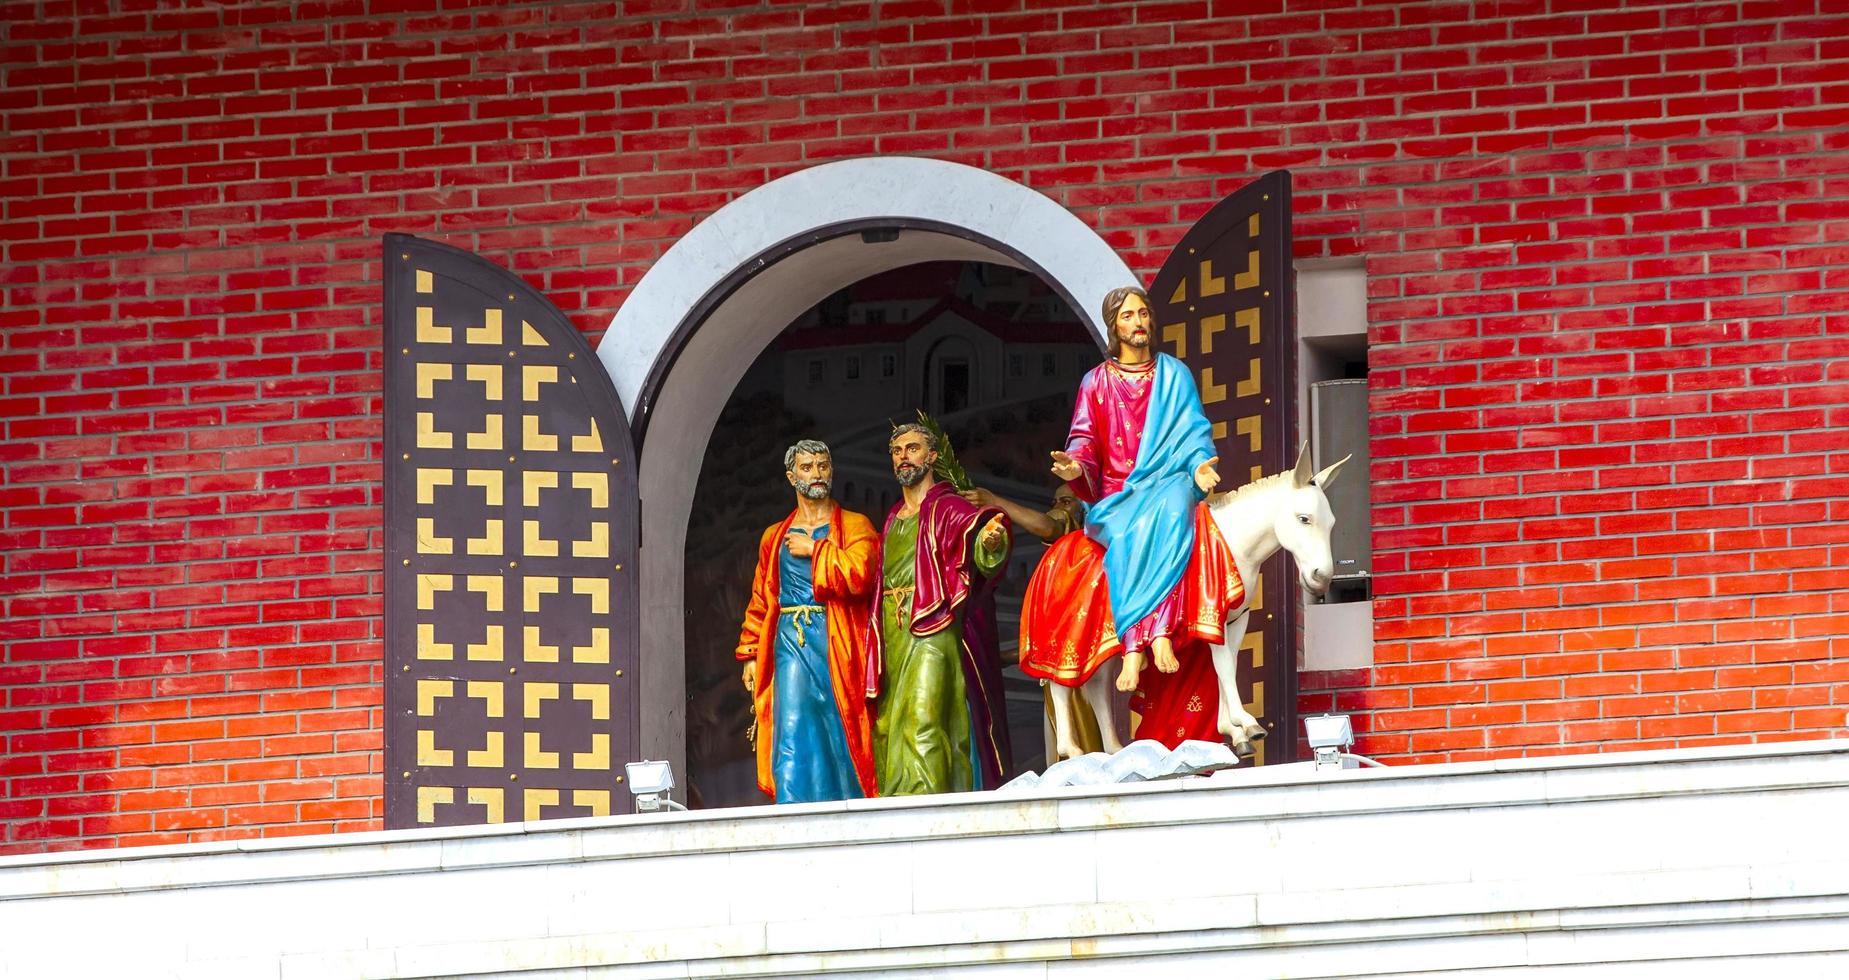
(1819, 523)
(1215, 49)
(1818, 154)
(1621, 128)
(1549, 312)
(1784, 248)
(1673, 602)
(1550, 102)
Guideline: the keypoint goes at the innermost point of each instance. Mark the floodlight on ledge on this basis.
(651, 782)
(1331, 736)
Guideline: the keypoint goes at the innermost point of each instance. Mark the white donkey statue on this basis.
(1283, 510)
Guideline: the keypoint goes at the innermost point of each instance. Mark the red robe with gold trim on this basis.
(1067, 632)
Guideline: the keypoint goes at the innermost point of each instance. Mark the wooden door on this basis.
(1224, 304)
(511, 605)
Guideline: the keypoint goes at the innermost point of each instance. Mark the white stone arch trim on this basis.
(751, 268)
(1048, 238)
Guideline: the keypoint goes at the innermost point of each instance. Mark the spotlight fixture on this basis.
(878, 236)
(1331, 736)
(651, 782)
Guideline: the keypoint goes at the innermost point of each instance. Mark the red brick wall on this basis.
(1606, 252)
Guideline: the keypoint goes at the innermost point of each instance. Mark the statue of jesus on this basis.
(1141, 448)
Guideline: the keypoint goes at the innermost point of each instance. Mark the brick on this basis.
(1601, 255)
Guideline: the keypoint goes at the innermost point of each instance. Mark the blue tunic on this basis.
(809, 760)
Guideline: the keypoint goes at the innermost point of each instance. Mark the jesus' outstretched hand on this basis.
(1065, 467)
(1207, 475)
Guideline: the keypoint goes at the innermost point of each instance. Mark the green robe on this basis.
(921, 739)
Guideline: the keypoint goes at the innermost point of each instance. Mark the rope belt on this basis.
(901, 590)
(805, 615)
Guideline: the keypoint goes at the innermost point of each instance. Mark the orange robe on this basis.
(846, 580)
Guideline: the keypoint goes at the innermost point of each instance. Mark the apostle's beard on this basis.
(813, 489)
(910, 474)
(1137, 340)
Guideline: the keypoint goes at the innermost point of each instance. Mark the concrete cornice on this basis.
(1677, 863)
(1230, 797)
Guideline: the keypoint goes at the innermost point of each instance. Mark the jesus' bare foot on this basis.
(1133, 668)
(1165, 655)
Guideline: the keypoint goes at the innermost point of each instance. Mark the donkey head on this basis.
(1303, 523)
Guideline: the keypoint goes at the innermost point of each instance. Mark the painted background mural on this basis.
(989, 349)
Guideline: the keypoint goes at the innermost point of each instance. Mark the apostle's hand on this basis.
(1206, 476)
(992, 533)
(799, 542)
(1065, 467)
(978, 496)
(750, 676)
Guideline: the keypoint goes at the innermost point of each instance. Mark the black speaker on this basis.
(1338, 414)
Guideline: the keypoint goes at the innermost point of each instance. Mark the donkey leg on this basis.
(1235, 723)
(1063, 742)
(1226, 673)
(1225, 661)
(1098, 696)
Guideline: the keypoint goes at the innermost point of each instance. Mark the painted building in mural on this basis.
(1592, 260)
(913, 341)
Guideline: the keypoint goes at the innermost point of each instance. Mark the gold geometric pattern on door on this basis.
(1224, 304)
(511, 601)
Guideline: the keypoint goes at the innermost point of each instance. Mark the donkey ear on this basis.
(1301, 476)
(1327, 476)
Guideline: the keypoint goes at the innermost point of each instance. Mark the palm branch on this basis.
(947, 467)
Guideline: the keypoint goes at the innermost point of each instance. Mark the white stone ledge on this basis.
(1691, 856)
(1191, 941)
(1263, 794)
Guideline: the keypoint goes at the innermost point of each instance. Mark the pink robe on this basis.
(1107, 431)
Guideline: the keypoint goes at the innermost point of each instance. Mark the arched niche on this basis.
(700, 316)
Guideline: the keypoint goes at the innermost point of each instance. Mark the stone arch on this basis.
(705, 310)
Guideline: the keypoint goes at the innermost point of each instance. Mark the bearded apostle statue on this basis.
(932, 665)
(804, 641)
